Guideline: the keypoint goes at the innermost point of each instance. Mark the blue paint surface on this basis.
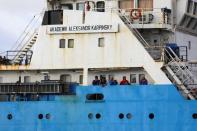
(70, 113)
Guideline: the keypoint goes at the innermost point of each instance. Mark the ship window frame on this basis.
(189, 45)
(40, 116)
(48, 116)
(194, 115)
(80, 79)
(95, 97)
(27, 79)
(71, 43)
(121, 116)
(10, 116)
(101, 8)
(140, 76)
(195, 9)
(101, 42)
(110, 76)
(98, 116)
(62, 43)
(77, 6)
(1, 79)
(151, 116)
(131, 78)
(90, 116)
(125, 4)
(47, 77)
(49, 15)
(67, 5)
(66, 78)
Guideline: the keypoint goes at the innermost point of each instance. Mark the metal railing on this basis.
(28, 32)
(26, 37)
(128, 22)
(24, 59)
(179, 68)
(148, 16)
(186, 82)
(37, 88)
(171, 59)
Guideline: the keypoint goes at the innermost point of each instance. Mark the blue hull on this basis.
(123, 108)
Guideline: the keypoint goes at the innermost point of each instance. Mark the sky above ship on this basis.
(14, 16)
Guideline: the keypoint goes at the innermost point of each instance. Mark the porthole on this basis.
(96, 96)
(129, 116)
(194, 116)
(48, 116)
(98, 116)
(121, 116)
(40, 116)
(9, 116)
(90, 115)
(151, 116)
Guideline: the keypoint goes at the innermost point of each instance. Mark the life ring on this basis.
(136, 13)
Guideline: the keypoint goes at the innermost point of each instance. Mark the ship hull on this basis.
(123, 108)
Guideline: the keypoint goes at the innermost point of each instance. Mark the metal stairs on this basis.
(25, 50)
(175, 70)
(21, 52)
(180, 75)
(128, 22)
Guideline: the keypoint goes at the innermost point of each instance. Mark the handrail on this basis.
(128, 22)
(33, 24)
(24, 45)
(27, 32)
(178, 63)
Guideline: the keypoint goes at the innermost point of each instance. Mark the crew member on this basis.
(124, 81)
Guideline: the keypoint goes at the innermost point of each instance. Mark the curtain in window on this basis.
(148, 4)
(126, 4)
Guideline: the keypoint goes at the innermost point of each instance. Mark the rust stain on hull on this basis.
(14, 67)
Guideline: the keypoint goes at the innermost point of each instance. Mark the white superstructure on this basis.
(81, 39)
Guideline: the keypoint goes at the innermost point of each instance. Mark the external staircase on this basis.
(22, 52)
(180, 74)
(25, 52)
(175, 70)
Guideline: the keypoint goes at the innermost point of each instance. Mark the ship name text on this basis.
(82, 29)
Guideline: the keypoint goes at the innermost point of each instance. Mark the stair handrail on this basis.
(129, 23)
(30, 26)
(24, 45)
(27, 33)
(178, 63)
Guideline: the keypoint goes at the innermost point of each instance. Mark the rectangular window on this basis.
(67, 6)
(70, 43)
(189, 6)
(80, 6)
(53, 17)
(46, 77)
(133, 79)
(81, 79)
(65, 78)
(146, 4)
(195, 9)
(126, 4)
(110, 77)
(189, 45)
(141, 76)
(101, 42)
(100, 5)
(1, 79)
(62, 43)
(27, 79)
